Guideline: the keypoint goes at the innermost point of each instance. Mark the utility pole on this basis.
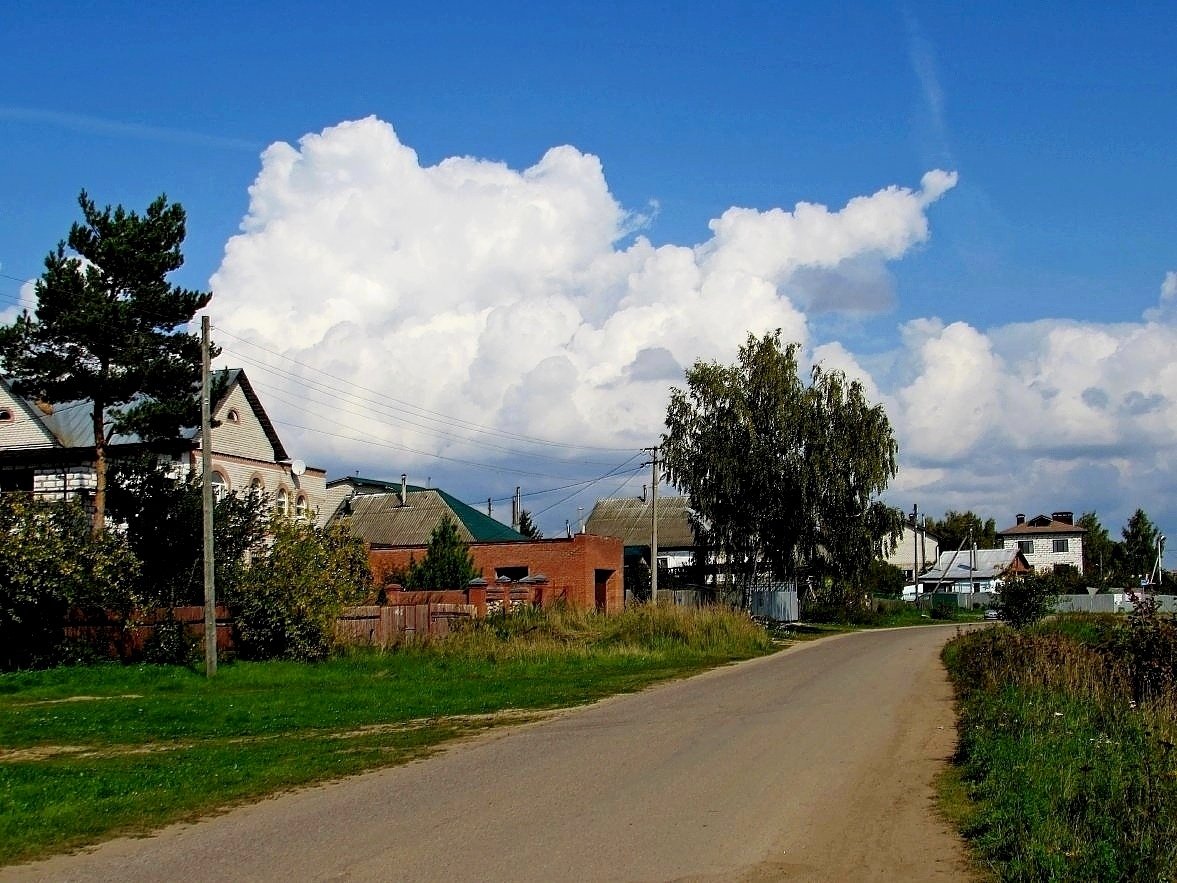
(206, 472)
(515, 507)
(653, 523)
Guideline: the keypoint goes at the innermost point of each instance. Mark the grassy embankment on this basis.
(86, 753)
(1065, 766)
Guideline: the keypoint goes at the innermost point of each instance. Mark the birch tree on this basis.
(783, 476)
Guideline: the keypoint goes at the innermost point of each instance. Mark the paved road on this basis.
(813, 764)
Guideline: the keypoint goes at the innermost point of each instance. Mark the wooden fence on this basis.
(383, 626)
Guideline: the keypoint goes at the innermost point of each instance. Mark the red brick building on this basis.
(584, 570)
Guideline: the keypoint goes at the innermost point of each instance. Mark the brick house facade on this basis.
(584, 570)
(1047, 542)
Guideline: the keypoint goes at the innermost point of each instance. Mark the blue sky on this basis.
(1057, 118)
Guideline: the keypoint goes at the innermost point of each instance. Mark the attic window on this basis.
(5, 415)
(233, 416)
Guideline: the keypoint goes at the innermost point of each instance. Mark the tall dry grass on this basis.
(1066, 744)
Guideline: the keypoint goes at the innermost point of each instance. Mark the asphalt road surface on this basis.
(812, 764)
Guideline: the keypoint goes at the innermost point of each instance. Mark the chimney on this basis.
(1021, 518)
(404, 489)
(1063, 517)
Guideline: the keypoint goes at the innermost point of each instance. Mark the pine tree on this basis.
(447, 564)
(108, 328)
(527, 527)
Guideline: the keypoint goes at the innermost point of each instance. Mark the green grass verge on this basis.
(1063, 777)
(87, 753)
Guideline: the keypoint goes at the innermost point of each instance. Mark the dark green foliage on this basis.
(1102, 556)
(783, 476)
(527, 527)
(1027, 599)
(636, 574)
(956, 527)
(162, 514)
(50, 565)
(882, 578)
(1149, 645)
(447, 563)
(107, 327)
(1140, 545)
(290, 597)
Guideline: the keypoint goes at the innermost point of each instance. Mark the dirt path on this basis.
(814, 764)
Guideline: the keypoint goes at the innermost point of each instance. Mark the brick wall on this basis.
(584, 570)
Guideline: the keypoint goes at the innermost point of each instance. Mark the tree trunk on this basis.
(99, 522)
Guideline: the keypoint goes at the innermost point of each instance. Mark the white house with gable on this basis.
(48, 450)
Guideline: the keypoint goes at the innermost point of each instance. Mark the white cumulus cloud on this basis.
(519, 300)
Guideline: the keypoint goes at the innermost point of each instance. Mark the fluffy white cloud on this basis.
(516, 300)
(1051, 414)
(446, 301)
(27, 300)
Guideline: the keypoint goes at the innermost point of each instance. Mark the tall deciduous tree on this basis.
(781, 475)
(108, 328)
(956, 527)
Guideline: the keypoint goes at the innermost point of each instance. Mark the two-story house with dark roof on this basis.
(1047, 542)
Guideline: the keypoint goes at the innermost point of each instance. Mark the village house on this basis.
(1048, 543)
(48, 450)
(396, 521)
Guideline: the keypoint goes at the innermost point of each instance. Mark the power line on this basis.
(424, 413)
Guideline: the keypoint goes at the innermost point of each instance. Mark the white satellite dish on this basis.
(298, 467)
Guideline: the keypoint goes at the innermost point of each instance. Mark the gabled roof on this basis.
(1043, 524)
(380, 519)
(628, 519)
(70, 424)
(982, 564)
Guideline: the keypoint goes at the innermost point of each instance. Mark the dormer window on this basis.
(233, 416)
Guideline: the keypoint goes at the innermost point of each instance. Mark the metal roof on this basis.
(989, 564)
(380, 519)
(72, 426)
(628, 519)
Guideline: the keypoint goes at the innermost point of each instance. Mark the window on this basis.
(257, 483)
(233, 416)
(511, 573)
(1061, 545)
(300, 506)
(220, 485)
(6, 415)
(282, 502)
(1026, 547)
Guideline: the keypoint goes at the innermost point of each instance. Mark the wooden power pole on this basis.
(206, 471)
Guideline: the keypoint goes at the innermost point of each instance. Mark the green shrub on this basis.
(1027, 599)
(51, 565)
(290, 597)
(162, 515)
